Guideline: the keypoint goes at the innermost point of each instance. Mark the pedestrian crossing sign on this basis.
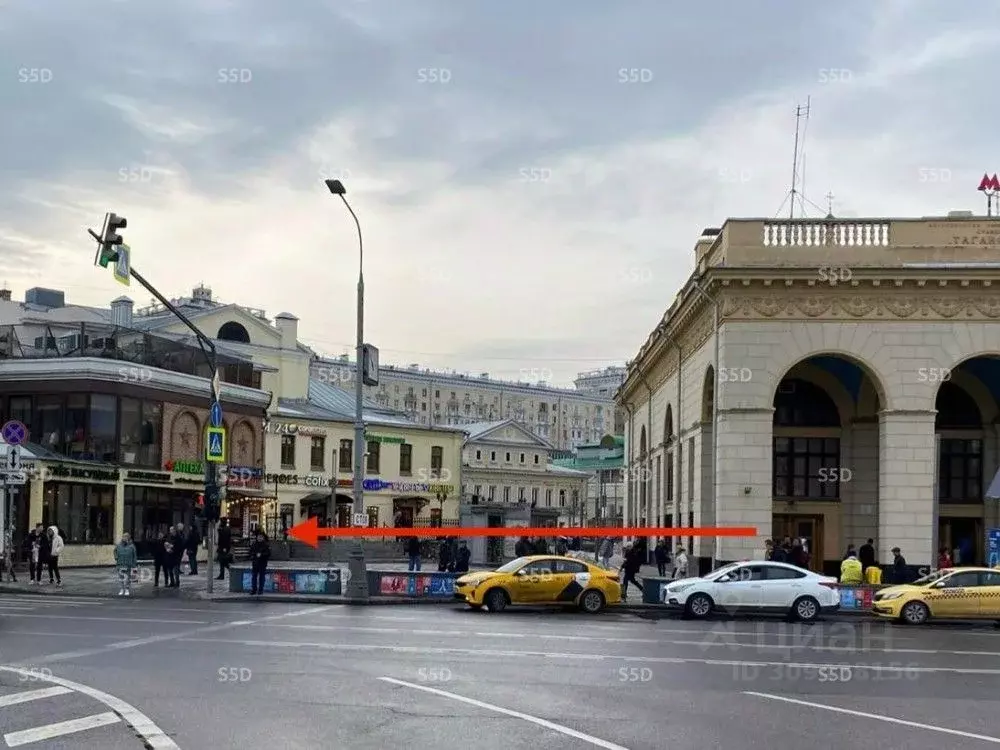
(215, 444)
(123, 265)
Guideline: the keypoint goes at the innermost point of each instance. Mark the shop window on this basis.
(288, 451)
(373, 457)
(20, 409)
(152, 433)
(75, 428)
(317, 454)
(102, 427)
(405, 459)
(346, 459)
(437, 460)
(47, 428)
(83, 513)
(802, 468)
(131, 442)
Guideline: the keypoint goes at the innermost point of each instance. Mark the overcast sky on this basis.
(526, 211)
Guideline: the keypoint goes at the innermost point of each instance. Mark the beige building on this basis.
(850, 389)
(561, 416)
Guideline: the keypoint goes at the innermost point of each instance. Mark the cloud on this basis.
(530, 182)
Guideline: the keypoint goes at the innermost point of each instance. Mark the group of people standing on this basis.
(168, 554)
(42, 548)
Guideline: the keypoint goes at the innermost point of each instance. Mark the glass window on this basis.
(960, 580)
(83, 513)
(317, 454)
(534, 494)
(288, 451)
(522, 458)
(569, 566)
(20, 409)
(346, 459)
(777, 573)
(802, 468)
(989, 579)
(405, 459)
(100, 508)
(103, 427)
(48, 426)
(960, 476)
(131, 441)
(373, 457)
(152, 433)
(562, 498)
(437, 460)
(539, 568)
(76, 427)
(506, 494)
(548, 498)
(536, 458)
(493, 492)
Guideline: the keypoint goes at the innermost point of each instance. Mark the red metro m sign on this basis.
(991, 184)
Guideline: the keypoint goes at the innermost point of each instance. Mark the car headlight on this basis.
(888, 597)
(677, 588)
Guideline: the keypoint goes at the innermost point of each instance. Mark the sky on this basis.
(530, 176)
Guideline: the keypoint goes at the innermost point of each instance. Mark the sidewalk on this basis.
(103, 583)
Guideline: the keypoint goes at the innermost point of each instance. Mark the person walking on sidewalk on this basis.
(126, 560)
(225, 546)
(175, 555)
(662, 557)
(607, 551)
(633, 562)
(462, 558)
(413, 552)
(44, 548)
(34, 544)
(260, 553)
(680, 563)
(56, 548)
(192, 544)
(160, 561)
(445, 556)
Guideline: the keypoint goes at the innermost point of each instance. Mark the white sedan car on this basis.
(763, 587)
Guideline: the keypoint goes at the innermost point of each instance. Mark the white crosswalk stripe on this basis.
(60, 729)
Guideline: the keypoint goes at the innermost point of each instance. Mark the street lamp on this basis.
(357, 586)
(715, 421)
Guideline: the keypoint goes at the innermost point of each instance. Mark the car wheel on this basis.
(496, 600)
(806, 609)
(914, 613)
(699, 606)
(592, 602)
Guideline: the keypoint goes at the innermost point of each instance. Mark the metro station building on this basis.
(833, 380)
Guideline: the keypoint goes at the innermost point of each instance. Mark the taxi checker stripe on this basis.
(568, 594)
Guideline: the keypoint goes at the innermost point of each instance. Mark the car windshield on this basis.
(512, 565)
(937, 575)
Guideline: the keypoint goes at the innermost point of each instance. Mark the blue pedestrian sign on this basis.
(992, 548)
(215, 444)
(14, 432)
(215, 414)
(123, 264)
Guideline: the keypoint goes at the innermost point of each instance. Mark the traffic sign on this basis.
(14, 477)
(123, 265)
(14, 432)
(215, 444)
(13, 458)
(215, 414)
(360, 519)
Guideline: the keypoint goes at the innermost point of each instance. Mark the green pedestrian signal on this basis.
(108, 255)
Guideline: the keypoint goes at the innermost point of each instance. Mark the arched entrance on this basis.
(825, 450)
(966, 431)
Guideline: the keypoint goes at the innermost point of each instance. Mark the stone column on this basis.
(859, 497)
(745, 461)
(907, 486)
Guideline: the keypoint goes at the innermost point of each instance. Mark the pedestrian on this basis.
(660, 553)
(160, 560)
(462, 558)
(850, 551)
(176, 555)
(44, 547)
(224, 545)
(192, 544)
(850, 571)
(607, 550)
(57, 544)
(522, 548)
(126, 560)
(944, 559)
(900, 572)
(260, 553)
(413, 552)
(798, 555)
(779, 552)
(444, 555)
(541, 547)
(867, 554)
(633, 562)
(680, 563)
(34, 552)
(768, 550)
(8, 554)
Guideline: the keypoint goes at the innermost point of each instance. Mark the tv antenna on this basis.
(799, 157)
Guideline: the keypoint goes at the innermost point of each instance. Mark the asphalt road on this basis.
(221, 675)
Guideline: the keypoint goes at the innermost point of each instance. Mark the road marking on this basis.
(61, 635)
(4, 607)
(465, 633)
(47, 732)
(851, 649)
(14, 699)
(137, 642)
(877, 717)
(141, 724)
(508, 712)
(50, 599)
(113, 619)
(424, 650)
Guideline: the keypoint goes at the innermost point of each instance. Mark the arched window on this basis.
(799, 403)
(805, 466)
(233, 331)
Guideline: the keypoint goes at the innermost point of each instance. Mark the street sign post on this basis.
(14, 432)
(15, 478)
(215, 444)
(123, 265)
(215, 414)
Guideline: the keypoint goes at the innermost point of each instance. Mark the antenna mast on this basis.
(800, 112)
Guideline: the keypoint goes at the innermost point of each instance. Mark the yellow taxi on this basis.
(541, 580)
(965, 593)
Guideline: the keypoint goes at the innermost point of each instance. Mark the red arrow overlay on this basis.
(310, 531)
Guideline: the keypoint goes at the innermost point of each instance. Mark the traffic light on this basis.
(111, 239)
(213, 502)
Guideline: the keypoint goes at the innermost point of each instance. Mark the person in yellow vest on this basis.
(873, 575)
(850, 570)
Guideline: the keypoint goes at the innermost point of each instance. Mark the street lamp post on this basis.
(357, 585)
(715, 421)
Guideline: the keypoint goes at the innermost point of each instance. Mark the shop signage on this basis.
(384, 439)
(148, 476)
(309, 480)
(290, 428)
(378, 485)
(185, 467)
(75, 472)
(247, 477)
(345, 482)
